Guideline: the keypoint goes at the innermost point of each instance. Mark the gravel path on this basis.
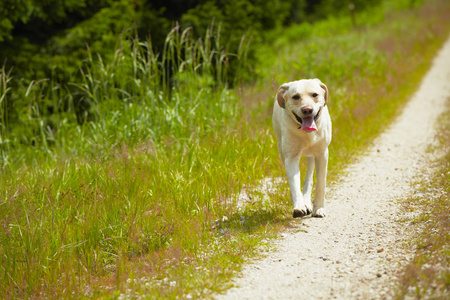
(353, 252)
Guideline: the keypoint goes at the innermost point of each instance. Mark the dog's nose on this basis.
(307, 110)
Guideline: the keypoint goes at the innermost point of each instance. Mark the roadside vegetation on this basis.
(124, 180)
(427, 276)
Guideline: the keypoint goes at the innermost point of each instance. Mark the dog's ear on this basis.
(280, 95)
(324, 87)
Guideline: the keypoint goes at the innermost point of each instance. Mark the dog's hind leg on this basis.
(308, 183)
(321, 175)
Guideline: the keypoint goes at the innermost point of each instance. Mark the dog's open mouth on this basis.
(308, 123)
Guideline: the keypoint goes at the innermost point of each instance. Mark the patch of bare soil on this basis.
(355, 251)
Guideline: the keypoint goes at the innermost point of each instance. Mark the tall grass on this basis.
(148, 153)
(88, 218)
(134, 95)
(4, 90)
(129, 163)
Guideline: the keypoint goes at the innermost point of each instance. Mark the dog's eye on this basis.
(296, 97)
(315, 95)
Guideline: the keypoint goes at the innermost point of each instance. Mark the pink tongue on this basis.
(308, 124)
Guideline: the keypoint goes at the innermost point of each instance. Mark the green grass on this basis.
(138, 195)
(427, 275)
(90, 217)
(135, 95)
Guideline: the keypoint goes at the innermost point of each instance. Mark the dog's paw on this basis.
(308, 208)
(298, 213)
(319, 212)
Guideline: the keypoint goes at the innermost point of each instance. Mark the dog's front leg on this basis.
(321, 175)
(293, 175)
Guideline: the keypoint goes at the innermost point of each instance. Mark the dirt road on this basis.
(354, 251)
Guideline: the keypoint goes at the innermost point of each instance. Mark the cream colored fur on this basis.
(293, 142)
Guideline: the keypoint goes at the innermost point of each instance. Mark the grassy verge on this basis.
(85, 226)
(131, 211)
(428, 274)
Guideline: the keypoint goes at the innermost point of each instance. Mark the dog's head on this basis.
(303, 100)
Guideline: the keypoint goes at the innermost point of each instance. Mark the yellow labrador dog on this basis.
(303, 127)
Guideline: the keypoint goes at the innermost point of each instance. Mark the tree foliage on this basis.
(45, 37)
